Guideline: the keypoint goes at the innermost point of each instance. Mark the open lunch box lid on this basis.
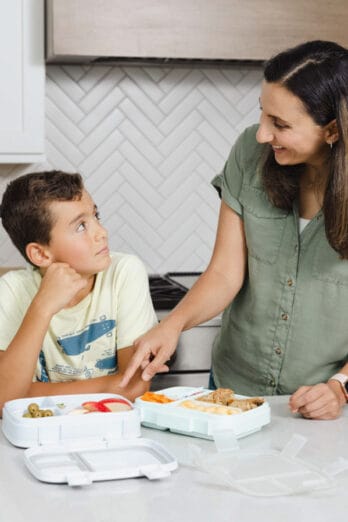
(174, 417)
(79, 449)
(251, 472)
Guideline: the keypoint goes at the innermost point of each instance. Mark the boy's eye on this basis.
(81, 227)
(97, 215)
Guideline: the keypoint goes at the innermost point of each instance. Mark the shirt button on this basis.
(285, 317)
(278, 350)
(290, 282)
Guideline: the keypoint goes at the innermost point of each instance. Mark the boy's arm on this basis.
(107, 384)
(17, 364)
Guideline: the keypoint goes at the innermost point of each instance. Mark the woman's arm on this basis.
(212, 292)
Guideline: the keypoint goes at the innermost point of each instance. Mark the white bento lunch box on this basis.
(81, 449)
(173, 417)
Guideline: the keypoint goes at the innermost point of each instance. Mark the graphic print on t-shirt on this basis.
(77, 344)
(86, 353)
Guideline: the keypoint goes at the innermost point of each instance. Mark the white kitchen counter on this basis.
(188, 495)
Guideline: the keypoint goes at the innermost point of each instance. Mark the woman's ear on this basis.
(39, 255)
(331, 132)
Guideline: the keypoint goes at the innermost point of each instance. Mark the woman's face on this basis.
(284, 124)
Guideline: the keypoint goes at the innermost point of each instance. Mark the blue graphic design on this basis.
(108, 363)
(77, 344)
(42, 361)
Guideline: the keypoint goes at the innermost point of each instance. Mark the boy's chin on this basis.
(106, 263)
(100, 267)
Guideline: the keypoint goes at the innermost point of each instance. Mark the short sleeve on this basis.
(237, 168)
(13, 305)
(135, 312)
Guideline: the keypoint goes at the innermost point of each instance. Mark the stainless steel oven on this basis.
(191, 362)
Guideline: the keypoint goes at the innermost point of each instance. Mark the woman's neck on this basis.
(312, 189)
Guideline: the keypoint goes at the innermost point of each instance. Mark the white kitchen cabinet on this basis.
(87, 30)
(22, 83)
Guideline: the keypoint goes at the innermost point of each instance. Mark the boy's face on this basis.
(77, 236)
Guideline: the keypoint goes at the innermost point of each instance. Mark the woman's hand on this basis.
(322, 401)
(153, 350)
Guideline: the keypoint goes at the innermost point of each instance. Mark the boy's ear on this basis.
(39, 255)
(331, 133)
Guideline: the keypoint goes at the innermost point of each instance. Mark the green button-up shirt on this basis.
(288, 325)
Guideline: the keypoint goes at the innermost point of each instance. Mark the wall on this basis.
(147, 140)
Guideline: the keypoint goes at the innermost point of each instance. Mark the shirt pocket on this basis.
(327, 264)
(264, 224)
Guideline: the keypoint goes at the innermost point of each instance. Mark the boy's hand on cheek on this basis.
(59, 286)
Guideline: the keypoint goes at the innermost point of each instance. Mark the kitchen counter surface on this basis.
(189, 494)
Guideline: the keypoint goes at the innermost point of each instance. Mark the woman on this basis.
(279, 267)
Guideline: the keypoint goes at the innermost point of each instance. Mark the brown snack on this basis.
(226, 397)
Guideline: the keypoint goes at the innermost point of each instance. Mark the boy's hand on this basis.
(58, 287)
(322, 401)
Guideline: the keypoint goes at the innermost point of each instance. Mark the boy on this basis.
(71, 318)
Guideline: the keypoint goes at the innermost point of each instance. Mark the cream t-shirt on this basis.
(82, 341)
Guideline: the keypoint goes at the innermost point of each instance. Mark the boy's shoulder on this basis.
(120, 260)
(18, 276)
(124, 265)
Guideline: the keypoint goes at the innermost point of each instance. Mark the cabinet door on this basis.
(83, 30)
(22, 81)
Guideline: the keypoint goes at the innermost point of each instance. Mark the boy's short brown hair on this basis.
(24, 208)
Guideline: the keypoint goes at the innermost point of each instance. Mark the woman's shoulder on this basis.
(246, 155)
(247, 148)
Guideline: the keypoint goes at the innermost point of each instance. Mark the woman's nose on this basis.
(264, 133)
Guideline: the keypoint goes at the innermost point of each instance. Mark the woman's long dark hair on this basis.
(317, 73)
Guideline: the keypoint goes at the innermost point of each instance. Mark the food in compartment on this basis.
(111, 404)
(160, 398)
(209, 408)
(226, 397)
(34, 411)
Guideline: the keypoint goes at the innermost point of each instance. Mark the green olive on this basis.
(47, 413)
(33, 407)
(36, 414)
(27, 415)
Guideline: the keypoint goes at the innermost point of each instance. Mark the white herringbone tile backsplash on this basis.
(147, 141)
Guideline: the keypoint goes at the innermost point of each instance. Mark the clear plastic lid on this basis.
(267, 473)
